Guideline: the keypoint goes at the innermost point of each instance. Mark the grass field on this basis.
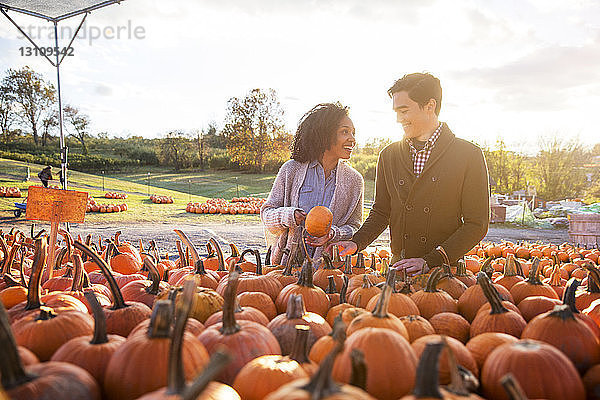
(183, 187)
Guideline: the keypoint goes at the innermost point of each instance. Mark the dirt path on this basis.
(251, 234)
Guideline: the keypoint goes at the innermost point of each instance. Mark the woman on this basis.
(315, 175)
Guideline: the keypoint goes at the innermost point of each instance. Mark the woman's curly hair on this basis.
(317, 131)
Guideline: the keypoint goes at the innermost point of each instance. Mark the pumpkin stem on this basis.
(487, 268)
(182, 259)
(100, 335)
(78, 273)
(299, 351)
(190, 246)
(45, 314)
(218, 361)
(445, 258)
(327, 263)
(11, 258)
(306, 275)
(219, 252)
(348, 265)
(11, 368)
(230, 325)
(303, 240)
(331, 289)
(562, 311)
(5, 251)
(491, 294)
(432, 281)
(427, 382)
(461, 268)
(534, 273)
(381, 308)
(268, 256)
(154, 275)
(110, 279)
(358, 376)
(335, 252)
(160, 321)
(259, 270)
(510, 265)
(235, 252)
(360, 261)
(37, 267)
(457, 386)
(512, 387)
(569, 294)
(200, 270)
(344, 289)
(593, 285)
(321, 385)
(21, 272)
(175, 374)
(295, 307)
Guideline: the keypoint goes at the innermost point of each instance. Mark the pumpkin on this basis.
(584, 299)
(315, 299)
(459, 350)
(451, 324)
(50, 380)
(320, 386)
(512, 273)
(245, 340)
(379, 318)
(300, 349)
(417, 326)
(499, 318)
(542, 370)
(318, 221)
(463, 274)
(483, 344)
(390, 361)
(122, 317)
(591, 381)
(91, 353)
(533, 286)
(322, 275)
(241, 313)
(145, 291)
(150, 353)
(532, 306)
(283, 326)
(554, 326)
(448, 282)
(360, 297)
(341, 306)
(323, 346)
(259, 300)
(473, 298)
(430, 300)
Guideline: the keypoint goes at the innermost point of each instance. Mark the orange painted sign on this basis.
(55, 204)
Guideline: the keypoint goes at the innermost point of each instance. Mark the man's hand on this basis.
(299, 216)
(319, 241)
(346, 247)
(412, 266)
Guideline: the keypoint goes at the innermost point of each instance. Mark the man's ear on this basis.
(431, 105)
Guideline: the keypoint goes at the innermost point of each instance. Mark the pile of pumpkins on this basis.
(93, 206)
(250, 205)
(110, 319)
(115, 195)
(161, 199)
(10, 191)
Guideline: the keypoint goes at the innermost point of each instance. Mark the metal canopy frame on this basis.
(55, 20)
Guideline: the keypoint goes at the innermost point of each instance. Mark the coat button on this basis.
(406, 236)
(409, 207)
(423, 239)
(426, 210)
(433, 179)
(401, 182)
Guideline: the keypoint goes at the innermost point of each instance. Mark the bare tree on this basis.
(32, 96)
(79, 123)
(48, 123)
(7, 113)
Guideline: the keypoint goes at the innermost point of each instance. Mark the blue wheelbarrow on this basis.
(20, 209)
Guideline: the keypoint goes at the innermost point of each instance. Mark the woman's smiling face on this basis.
(344, 141)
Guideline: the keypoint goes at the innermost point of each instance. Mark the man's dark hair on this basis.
(420, 88)
(317, 131)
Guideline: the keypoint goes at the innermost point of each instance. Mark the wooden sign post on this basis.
(55, 206)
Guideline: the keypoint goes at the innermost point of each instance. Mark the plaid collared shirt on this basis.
(420, 157)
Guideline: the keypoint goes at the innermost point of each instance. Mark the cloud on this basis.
(104, 90)
(541, 80)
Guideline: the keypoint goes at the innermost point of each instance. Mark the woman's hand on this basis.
(346, 247)
(319, 241)
(299, 216)
(412, 266)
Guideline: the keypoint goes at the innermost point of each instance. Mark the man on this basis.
(45, 175)
(431, 187)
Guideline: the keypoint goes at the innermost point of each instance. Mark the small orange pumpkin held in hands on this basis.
(318, 221)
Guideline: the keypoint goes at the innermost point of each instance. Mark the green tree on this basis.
(32, 96)
(7, 114)
(174, 150)
(254, 129)
(507, 168)
(559, 169)
(79, 123)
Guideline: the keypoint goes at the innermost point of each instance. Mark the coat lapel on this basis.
(405, 158)
(443, 143)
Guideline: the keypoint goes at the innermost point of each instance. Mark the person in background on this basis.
(431, 187)
(316, 175)
(45, 175)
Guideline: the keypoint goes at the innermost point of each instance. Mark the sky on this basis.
(520, 70)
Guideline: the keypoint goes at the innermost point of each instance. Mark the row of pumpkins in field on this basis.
(115, 195)
(10, 191)
(93, 206)
(247, 205)
(161, 199)
(117, 321)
